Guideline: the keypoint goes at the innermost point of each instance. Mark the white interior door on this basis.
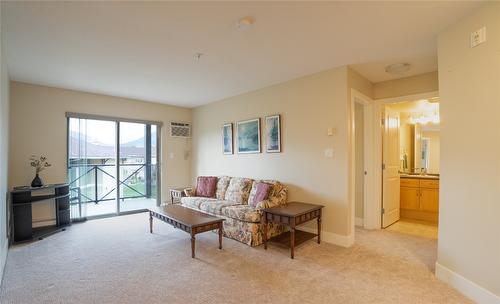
(390, 172)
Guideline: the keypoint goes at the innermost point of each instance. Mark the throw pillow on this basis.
(261, 194)
(205, 186)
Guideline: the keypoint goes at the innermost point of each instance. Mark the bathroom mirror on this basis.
(426, 151)
(418, 135)
(420, 148)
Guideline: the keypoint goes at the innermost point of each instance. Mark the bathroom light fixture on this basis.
(245, 23)
(398, 68)
(425, 119)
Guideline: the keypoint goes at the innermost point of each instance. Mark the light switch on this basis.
(329, 152)
(330, 131)
(171, 155)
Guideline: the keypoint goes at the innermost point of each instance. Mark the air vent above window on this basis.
(180, 129)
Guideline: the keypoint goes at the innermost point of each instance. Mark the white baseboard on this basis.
(359, 221)
(333, 238)
(3, 259)
(468, 288)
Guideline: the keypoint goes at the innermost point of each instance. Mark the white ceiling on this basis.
(145, 50)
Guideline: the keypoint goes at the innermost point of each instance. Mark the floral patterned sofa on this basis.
(242, 221)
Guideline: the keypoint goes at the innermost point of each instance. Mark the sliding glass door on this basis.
(112, 166)
(138, 173)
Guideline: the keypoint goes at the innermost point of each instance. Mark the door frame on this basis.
(117, 121)
(369, 110)
(373, 207)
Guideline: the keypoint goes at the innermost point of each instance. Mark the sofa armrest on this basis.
(264, 204)
(278, 197)
(269, 203)
(189, 192)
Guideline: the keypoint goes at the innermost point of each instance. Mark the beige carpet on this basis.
(116, 260)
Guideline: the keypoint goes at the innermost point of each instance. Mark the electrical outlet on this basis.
(478, 37)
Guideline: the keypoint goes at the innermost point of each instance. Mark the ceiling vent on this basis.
(180, 129)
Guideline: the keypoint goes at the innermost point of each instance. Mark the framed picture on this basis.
(248, 136)
(227, 138)
(273, 134)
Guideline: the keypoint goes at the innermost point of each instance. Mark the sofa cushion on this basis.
(222, 185)
(194, 202)
(215, 207)
(244, 213)
(238, 190)
(205, 186)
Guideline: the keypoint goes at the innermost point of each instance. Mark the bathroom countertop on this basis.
(403, 175)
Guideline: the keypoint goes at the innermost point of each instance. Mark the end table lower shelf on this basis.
(301, 237)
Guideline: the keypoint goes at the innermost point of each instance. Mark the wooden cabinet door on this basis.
(429, 200)
(409, 198)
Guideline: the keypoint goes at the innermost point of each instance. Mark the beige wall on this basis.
(309, 106)
(423, 83)
(4, 141)
(469, 216)
(38, 126)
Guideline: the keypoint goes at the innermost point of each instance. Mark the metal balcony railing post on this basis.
(148, 161)
(96, 194)
(79, 191)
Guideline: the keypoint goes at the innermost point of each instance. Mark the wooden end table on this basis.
(188, 220)
(292, 215)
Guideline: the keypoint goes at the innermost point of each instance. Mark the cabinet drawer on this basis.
(429, 183)
(409, 182)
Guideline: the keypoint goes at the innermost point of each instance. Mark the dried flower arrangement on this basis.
(39, 163)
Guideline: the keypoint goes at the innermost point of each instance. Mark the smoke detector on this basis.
(398, 68)
(245, 23)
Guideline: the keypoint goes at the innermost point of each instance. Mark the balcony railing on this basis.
(94, 184)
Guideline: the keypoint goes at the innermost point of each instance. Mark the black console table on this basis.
(22, 199)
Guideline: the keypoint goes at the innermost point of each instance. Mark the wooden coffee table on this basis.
(188, 220)
(292, 215)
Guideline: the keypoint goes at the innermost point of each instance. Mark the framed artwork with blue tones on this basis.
(248, 136)
(273, 134)
(227, 138)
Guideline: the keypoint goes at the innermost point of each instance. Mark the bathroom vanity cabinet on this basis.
(419, 198)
